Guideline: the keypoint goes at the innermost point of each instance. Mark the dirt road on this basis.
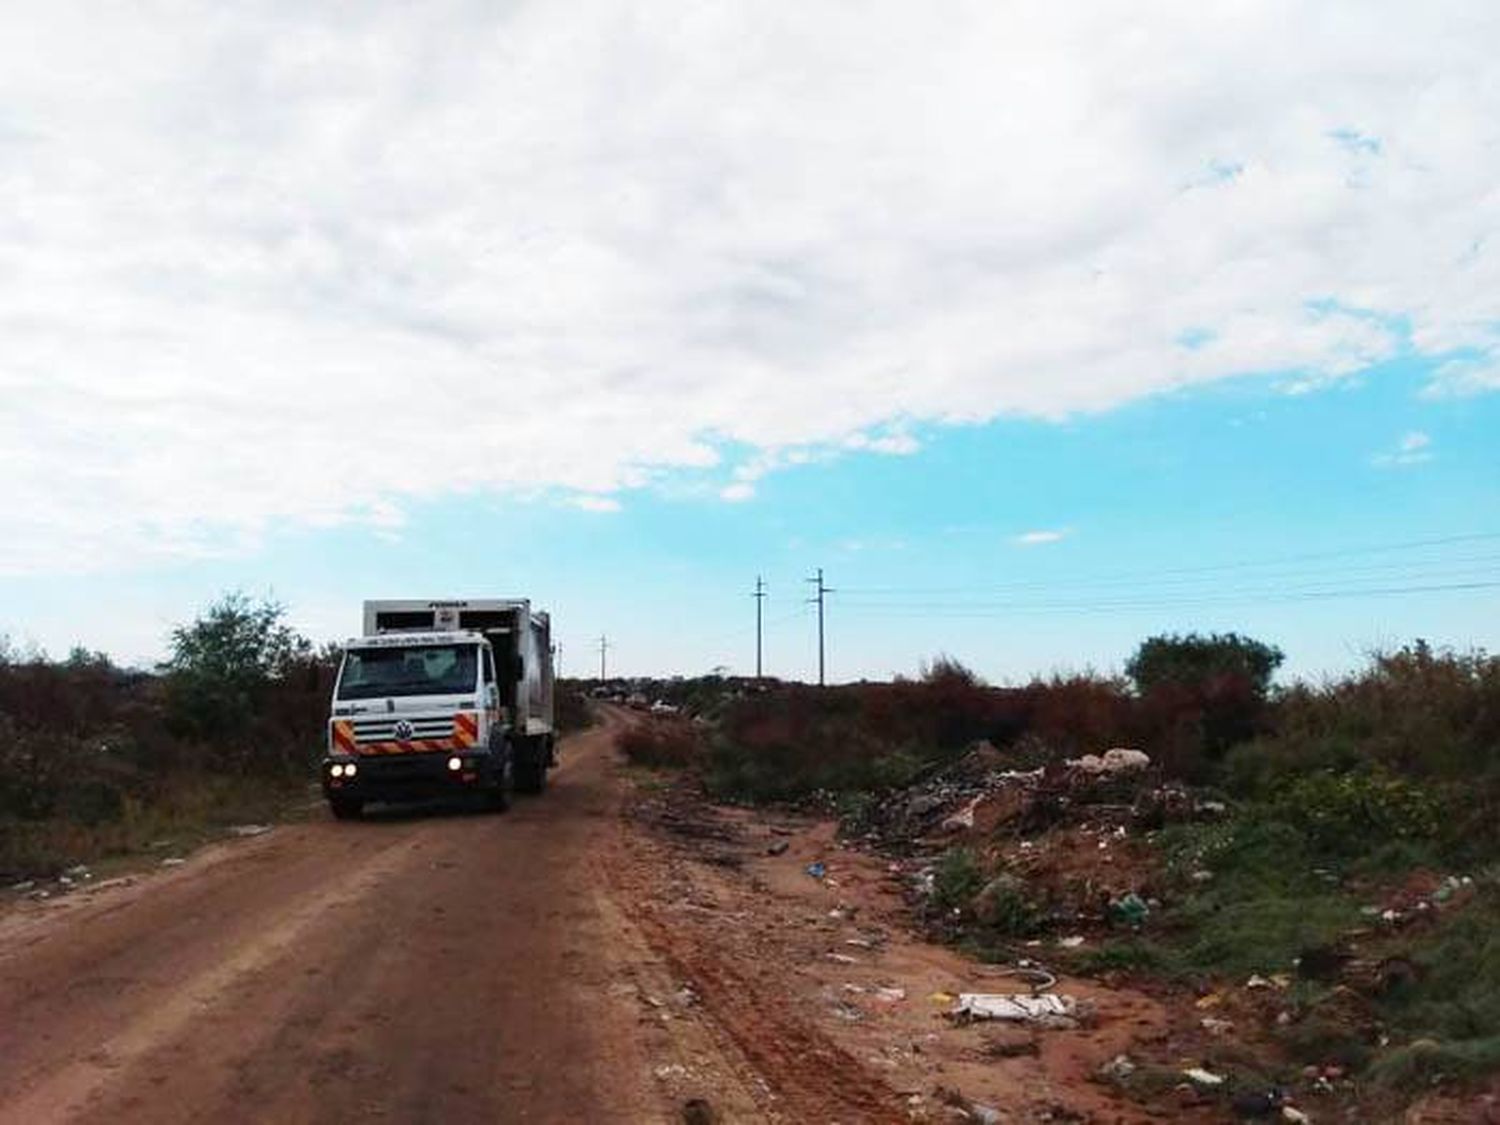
(617, 950)
(435, 967)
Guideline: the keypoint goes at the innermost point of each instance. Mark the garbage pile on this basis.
(982, 794)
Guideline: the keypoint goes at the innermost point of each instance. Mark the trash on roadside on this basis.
(23, 887)
(1115, 761)
(1121, 759)
(173, 861)
(890, 995)
(1013, 1007)
(778, 847)
(943, 998)
(817, 870)
(963, 819)
(1071, 942)
(1130, 909)
(1118, 1069)
(249, 829)
(843, 959)
(1203, 1077)
(1215, 1026)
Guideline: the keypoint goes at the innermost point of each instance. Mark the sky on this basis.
(1041, 328)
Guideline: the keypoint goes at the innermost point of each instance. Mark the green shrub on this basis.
(1348, 814)
(956, 879)
(1427, 1062)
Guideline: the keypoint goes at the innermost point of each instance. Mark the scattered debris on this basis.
(246, 830)
(778, 847)
(817, 870)
(1203, 1077)
(173, 861)
(1012, 1007)
(1116, 761)
(1131, 909)
(1118, 1069)
(1071, 942)
(1258, 1103)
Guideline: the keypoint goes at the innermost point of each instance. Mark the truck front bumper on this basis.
(409, 777)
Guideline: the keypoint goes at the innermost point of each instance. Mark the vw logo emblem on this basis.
(404, 729)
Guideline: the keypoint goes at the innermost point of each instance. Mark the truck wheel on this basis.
(531, 768)
(498, 798)
(346, 808)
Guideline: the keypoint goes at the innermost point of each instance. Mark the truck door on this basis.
(491, 702)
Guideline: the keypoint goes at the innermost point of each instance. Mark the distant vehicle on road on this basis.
(441, 698)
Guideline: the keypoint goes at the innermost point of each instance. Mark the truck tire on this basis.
(346, 808)
(498, 798)
(531, 767)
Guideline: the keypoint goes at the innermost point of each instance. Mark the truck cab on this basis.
(417, 715)
(442, 697)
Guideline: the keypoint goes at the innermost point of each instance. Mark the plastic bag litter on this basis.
(1018, 1008)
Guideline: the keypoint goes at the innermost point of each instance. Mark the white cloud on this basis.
(1461, 378)
(1412, 449)
(1041, 537)
(246, 253)
(738, 491)
(595, 503)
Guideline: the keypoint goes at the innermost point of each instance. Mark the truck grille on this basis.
(384, 729)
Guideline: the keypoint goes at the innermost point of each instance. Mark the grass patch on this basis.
(186, 812)
(1428, 1062)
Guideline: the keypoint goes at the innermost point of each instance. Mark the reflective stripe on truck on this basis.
(465, 737)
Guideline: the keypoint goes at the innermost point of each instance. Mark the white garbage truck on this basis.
(442, 697)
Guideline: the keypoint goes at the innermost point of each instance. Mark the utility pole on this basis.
(760, 601)
(822, 590)
(603, 647)
(557, 660)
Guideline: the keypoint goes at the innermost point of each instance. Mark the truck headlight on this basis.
(336, 770)
(455, 763)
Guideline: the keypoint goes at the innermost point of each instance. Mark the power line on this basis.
(760, 598)
(1215, 568)
(820, 598)
(980, 610)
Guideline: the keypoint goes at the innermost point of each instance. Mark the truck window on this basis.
(372, 673)
(489, 665)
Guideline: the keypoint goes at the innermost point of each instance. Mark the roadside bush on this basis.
(572, 711)
(89, 752)
(661, 744)
(1348, 814)
(956, 880)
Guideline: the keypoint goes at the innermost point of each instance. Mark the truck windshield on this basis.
(420, 670)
